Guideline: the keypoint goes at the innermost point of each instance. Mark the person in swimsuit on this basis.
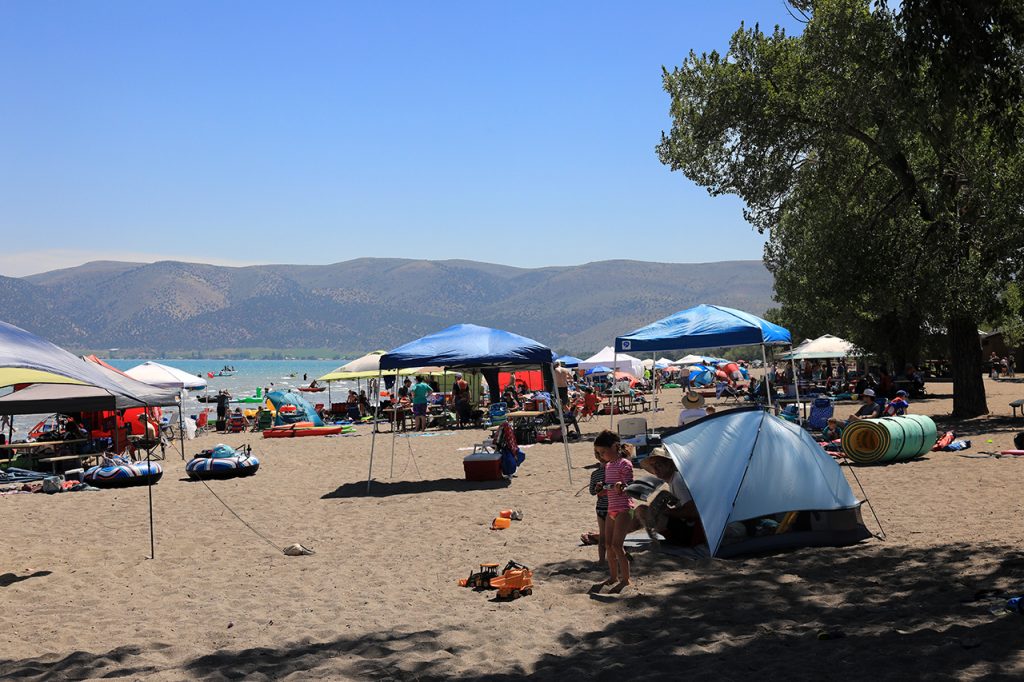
(618, 473)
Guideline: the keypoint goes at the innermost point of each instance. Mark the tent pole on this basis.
(611, 405)
(767, 382)
(394, 436)
(654, 381)
(796, 386)
(373, 439)
(181, 422)
(149, 488)
(561, 422)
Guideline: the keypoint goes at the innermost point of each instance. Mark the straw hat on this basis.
(692, 401)
(657, 454)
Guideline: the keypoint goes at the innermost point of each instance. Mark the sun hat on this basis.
(693, 400)
(869, 392)
(657, 454)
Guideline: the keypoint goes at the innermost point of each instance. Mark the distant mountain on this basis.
(362, 304)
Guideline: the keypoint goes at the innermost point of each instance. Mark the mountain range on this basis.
(171, 308)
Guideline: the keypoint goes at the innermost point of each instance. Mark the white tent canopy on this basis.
(822, 348)
(155, 374)
(622, 363)
(694, 360)
(744, 464)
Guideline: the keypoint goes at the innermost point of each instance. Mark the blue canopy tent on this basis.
(569, 360)
(705, 326)
(469, 346)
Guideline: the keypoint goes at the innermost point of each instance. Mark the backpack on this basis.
(510, 461)
(1018, 441)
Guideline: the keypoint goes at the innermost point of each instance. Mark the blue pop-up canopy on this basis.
(704, 326)
(569, 360)
(468, 346)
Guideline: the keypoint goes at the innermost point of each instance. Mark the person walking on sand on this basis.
(597, 489)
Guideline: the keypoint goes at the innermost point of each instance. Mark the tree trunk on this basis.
(968, 380)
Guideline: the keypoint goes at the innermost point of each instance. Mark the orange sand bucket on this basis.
(505, 514)
(500, 523)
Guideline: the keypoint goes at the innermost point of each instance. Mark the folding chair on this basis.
(632, 426)
(821, 412)
(723, 391)
(498, 413)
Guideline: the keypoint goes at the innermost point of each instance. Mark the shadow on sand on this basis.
(873, 612)
(11, 578)
(391, 488)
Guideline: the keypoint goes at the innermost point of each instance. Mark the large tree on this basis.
(881, 150)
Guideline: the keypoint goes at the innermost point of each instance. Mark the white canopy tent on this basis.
(822, 348)
(155, 374)
(606, 357)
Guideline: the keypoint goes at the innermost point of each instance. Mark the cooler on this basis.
(483, 465)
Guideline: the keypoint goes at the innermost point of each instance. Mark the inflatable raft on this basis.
(122, 473)
(301, 429)
(222, 462)
(312, 389)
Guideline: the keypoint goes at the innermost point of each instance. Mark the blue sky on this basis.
(251, 132)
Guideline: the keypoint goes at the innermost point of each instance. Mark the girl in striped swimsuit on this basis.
(618, 473)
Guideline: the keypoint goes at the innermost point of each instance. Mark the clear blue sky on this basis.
(315, 132)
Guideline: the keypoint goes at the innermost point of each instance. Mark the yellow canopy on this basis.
(10, 376)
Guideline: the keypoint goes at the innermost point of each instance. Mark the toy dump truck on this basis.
(481, 580)
(514, 582)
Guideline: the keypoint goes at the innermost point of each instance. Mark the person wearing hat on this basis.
(693, 408)
(869, 409)
(897, 407)
(680, 521)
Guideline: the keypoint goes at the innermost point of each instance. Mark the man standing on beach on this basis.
(562, 377)
(420, 396)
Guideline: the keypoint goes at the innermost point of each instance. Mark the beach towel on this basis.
(945, 440)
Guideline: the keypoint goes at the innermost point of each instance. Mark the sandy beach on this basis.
(380, 600)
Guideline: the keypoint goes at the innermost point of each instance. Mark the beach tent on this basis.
(152, 396)
(746, 463)
(302, 412)
(155, 374)
(607, 357)
(822, 348)
(694, 360)
(365, 367)
(470, 346)
(29, 359)
(705, 326)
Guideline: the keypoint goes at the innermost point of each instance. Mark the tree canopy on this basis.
(881, 151)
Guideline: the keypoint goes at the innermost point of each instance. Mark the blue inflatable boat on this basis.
(120, 472)
(222, 461)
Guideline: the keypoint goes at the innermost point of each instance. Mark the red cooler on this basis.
(483, 466)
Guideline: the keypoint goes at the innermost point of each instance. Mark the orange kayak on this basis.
(297, 431)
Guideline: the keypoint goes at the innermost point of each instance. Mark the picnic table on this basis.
(396, 415)
(35, 450)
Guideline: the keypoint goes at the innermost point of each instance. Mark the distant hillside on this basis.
(362, 304)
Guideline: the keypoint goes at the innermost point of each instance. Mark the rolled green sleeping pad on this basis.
(889, 439)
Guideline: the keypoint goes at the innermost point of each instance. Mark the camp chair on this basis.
(821, 412)
(264, 420)
(632, 426)
(723, 391)
(498, 413)
(237, 423)
(203, 421)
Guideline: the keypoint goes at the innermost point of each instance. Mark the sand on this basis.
(379, 600)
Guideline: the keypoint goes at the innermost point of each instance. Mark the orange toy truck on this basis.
(516, 581)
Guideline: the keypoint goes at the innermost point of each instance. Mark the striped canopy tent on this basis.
(29, 359)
